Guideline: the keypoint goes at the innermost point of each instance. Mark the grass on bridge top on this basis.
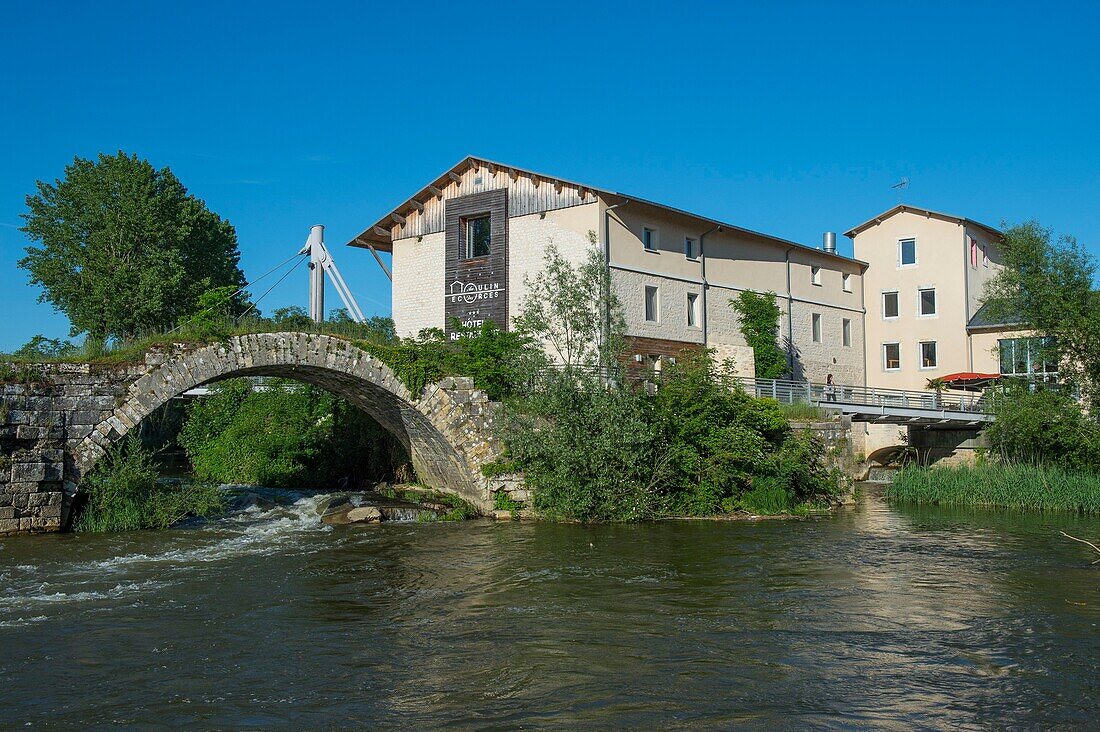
(134, 350)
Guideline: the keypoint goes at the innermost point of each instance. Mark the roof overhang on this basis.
(928, 213)
(379, 234)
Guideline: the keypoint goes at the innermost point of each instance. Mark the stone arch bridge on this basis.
(57, 420)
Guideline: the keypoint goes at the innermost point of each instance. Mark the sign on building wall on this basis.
(477, 260)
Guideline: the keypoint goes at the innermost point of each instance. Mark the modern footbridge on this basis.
(884, 406)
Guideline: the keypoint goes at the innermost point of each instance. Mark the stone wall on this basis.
(58, 420)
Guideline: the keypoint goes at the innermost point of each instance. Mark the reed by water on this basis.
(999, 485)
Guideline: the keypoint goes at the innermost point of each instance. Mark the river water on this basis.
(878, 617)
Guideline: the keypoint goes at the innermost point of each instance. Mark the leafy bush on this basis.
(1043, 427)
(122, 494)
(499, 361)
(290, 435)
(699, 445)
(588, 452)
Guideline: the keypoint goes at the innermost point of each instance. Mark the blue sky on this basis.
(787, 118)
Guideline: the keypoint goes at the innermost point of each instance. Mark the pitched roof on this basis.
(985, 318)
(379, 233)
(903, 208)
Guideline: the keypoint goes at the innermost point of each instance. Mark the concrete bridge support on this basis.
(57, 420)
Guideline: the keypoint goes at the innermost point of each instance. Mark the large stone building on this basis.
(464, 243)
(906, 309)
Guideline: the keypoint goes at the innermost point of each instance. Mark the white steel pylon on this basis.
(320, 262)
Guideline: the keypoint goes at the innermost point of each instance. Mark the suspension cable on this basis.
(261, 297)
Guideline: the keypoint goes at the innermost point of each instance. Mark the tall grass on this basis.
(999, 485)
(803, 412)
(122, 494)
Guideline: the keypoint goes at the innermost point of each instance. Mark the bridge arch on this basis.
(446, 429)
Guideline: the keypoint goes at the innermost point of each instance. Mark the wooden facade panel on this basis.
(525, 195)
(477, 288)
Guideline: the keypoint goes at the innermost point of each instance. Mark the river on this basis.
(877, 617)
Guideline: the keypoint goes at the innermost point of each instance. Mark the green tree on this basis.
(566, 306)
(123, 248)
(1047, 285)
(1043, 428)
(759, 315)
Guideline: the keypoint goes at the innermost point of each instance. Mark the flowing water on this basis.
(878, 617)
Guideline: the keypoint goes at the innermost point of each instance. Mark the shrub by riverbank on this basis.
(1001, 486)
(699, 446)
(123, 494)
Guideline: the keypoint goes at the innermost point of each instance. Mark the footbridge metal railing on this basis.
(897, 406)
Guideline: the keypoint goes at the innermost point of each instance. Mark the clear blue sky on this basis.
(790, 119)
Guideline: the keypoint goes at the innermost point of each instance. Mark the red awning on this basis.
(969, 380)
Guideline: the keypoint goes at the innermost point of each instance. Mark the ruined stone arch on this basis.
(446, 429)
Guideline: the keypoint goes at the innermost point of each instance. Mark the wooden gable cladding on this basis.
(477, 288)
(526, 194)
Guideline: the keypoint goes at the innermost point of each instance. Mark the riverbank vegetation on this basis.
(1000, 485)
(698, 446)
(123, 493)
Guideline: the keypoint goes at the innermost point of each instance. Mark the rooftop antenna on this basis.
(320, 262)
(901, 187)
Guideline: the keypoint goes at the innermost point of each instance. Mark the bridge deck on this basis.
(886, 406)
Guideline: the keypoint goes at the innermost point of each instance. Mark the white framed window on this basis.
(478, 236)
(890, 304)
(973, 252)
(926, 301)
(815, 327)
(907, 252)
(846, 332)
(649, 239)
(846, 282)
(652, 304)
(985, 255)
(891, 356)
(693, 309)
(815, 276)
(691, 247)
(928, 355)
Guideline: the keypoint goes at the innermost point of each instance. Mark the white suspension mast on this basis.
(320, 262)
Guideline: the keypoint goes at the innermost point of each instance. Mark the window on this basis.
(1029, 357)
(815, 275)
(846, 332)
(651, 302)
(891, 356)
(890, 304)
(693, 309)
(816, 326)
(973, 252)
(928, 354)
(478, 237)
(846, 282)
(985, 255)
(691, 248)
(649, 239)
(926, 301)
(907, 252)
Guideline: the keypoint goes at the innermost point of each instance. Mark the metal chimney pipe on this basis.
(828, 242)
(317, 273)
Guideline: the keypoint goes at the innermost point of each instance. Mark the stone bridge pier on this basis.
(57, 420)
